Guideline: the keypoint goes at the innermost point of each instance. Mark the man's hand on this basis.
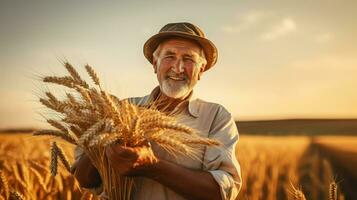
(131, 161)
(85, 172)
(141, 161)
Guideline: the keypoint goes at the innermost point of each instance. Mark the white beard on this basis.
(175, 89)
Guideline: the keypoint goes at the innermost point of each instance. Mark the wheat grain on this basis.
(54, 160)
(87, 196)
(333, 191)
(4, 185)
(15, 195)
(62, 156)
(72, 71)
(39, 178)
(85, 95)
(65, 81)
(38, 166)
(51, 97)
(89, 133)
(93, 75)
(57, 125)
(71, 98)
(76, 130)
(65, 136)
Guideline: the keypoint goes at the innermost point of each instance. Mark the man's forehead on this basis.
(174, 45)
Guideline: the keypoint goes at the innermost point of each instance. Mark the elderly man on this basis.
(180, 54)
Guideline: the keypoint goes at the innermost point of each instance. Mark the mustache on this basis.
(182, 75)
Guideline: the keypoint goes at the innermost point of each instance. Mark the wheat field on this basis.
(272, 168)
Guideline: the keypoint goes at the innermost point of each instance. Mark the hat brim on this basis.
(208, 47)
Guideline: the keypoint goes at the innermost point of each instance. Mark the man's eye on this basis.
(188, 59)
(169, 56)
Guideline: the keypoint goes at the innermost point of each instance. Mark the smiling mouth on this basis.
(176, 78)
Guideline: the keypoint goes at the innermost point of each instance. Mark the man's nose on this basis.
(178, 66)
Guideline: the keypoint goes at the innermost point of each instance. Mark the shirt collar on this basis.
(192, 101)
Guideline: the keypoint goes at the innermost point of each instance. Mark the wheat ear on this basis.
(90, 132)
(54, 154)
(93, 75)
(15, 195)
(85, 95)
(65, 81)
(73, 72)
(4, 185)
(52, 98)
(173, 126)
(71, 98)
(57, 125)
(295, 194)
(87, 196)
(65, 136)
(38, 166)
(62, 157)
(333, 191)
(39, 178)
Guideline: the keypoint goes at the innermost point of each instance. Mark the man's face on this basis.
(178, 67)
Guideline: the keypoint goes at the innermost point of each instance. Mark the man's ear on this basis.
(154, 65)
(202, 69)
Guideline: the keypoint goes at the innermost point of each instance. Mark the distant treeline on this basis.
(299, 127)
(278, 127)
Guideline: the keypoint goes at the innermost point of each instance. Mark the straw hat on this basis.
(183, 30)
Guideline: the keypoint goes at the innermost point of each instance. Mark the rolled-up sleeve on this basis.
(221, 161)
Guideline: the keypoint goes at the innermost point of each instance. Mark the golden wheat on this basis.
(54, 160)
(98, 119)
(333, 191)
(93, 75)
(4, 185)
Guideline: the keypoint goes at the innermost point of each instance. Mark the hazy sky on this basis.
(277, 59)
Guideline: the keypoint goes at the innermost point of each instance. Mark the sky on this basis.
(277, 59)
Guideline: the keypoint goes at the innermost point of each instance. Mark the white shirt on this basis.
(210, 120)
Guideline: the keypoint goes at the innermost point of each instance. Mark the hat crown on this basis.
(184, 27)
(183, 30)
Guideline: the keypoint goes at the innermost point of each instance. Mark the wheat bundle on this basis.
(93, 119)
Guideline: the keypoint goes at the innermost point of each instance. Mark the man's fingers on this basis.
(125, 153)
(109, 152)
